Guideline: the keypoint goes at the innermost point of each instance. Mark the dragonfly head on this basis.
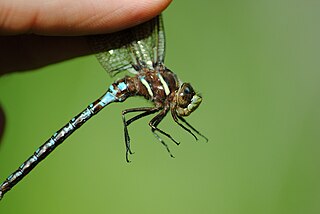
(187, 100)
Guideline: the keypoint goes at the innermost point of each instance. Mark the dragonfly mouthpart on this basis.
(195, 102)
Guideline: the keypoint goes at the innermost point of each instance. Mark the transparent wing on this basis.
(160, 42)
(111, 51)
(130, 49)
(148, 50)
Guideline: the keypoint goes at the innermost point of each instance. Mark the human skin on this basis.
(36, 33)
(74, 18)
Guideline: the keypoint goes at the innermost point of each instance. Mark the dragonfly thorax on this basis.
(156, 85)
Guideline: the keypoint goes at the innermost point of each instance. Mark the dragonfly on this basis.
(140, 51)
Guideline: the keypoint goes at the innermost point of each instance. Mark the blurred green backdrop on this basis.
(256, 64)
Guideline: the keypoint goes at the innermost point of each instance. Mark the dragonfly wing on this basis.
(111, 51)
(142, 45)
(160, 41)
(148, 47)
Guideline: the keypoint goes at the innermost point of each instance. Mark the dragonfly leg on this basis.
(154, 123)
(163, 143)
(146, 111)
(175, 118)
(191, 127)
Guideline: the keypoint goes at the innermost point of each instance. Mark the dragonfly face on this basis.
(187, 100)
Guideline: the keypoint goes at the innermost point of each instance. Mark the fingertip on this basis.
(127, 14)
(81, 17)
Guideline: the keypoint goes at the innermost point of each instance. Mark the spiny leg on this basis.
(195, 130)
(154, 123)
(163, 143)
(126, 123)
(174, 116)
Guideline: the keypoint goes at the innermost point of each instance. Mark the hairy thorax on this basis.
(156, 86)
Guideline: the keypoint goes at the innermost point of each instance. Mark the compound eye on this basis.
(185, 95)
(186, 90)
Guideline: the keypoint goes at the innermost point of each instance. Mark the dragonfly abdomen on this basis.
(117, 92)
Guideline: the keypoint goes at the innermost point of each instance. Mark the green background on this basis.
(256, 64)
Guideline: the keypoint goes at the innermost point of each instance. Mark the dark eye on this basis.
(186, 93)
(187, 90)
